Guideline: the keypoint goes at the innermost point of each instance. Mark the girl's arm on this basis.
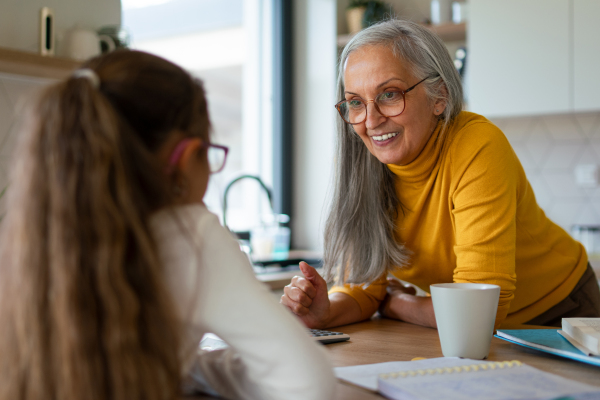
(274, 356)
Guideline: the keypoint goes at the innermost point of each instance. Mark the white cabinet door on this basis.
(519, 57)
(586, 55)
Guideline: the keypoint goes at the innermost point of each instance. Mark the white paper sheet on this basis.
(366, 375)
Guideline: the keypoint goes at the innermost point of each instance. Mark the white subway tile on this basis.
(587, 215)
(562, 184)
(538, 143)
(588, 122)
(20, 88)
(543, 194)
(524, 156)
(562, 156)
(517, 130)
(563, 128)
(564, 212)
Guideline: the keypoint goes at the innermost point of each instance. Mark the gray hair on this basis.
(360, 244)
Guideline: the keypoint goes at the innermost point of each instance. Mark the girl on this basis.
(112, 267)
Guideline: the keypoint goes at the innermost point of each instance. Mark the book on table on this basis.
(451, 378)
(584, 331)
(547, 340)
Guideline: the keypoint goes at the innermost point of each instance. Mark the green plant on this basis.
(376, 11)
(357, 4)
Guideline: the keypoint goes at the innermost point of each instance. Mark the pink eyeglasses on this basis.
(217, 155)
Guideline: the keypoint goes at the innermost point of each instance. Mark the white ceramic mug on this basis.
(81, 44)
(465, 315)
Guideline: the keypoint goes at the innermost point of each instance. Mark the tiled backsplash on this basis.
(550, 148)
(14, 91)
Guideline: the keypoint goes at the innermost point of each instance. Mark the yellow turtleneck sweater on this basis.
(470, 215)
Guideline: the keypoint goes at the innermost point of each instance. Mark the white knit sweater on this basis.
(271, 355)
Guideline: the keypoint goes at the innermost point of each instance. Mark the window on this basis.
(227, 44)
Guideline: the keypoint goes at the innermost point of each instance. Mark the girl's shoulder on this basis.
(194, 219)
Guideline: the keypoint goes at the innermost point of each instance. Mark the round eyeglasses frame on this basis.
(338, 106)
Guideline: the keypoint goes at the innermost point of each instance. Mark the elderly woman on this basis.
(431, 194)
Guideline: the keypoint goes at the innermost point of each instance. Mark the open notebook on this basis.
(452, 378)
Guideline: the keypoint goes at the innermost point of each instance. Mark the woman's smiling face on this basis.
(371, 70)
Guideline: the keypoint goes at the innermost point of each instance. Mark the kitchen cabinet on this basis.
(533, 57)
(519, 57)
(586, 55)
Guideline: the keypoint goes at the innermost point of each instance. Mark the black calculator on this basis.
(326, 337)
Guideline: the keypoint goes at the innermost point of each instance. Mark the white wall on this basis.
(314, 124)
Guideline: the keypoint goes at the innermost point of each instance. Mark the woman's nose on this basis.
(374, 117)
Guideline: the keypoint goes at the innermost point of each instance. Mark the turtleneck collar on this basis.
(420, 168)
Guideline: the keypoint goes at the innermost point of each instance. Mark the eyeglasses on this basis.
(216, 154)
(390, 103)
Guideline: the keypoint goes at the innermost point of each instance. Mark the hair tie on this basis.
(88, 74)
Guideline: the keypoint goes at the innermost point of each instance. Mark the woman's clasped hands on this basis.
(308, 299)
(402, 303)
(394, 288)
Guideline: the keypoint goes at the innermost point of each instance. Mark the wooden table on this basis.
(383, 340)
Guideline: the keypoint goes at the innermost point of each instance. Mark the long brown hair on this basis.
(84, 310)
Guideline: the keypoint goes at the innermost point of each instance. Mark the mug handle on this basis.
(110, 43)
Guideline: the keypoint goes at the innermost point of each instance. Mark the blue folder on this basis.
(546, 340)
